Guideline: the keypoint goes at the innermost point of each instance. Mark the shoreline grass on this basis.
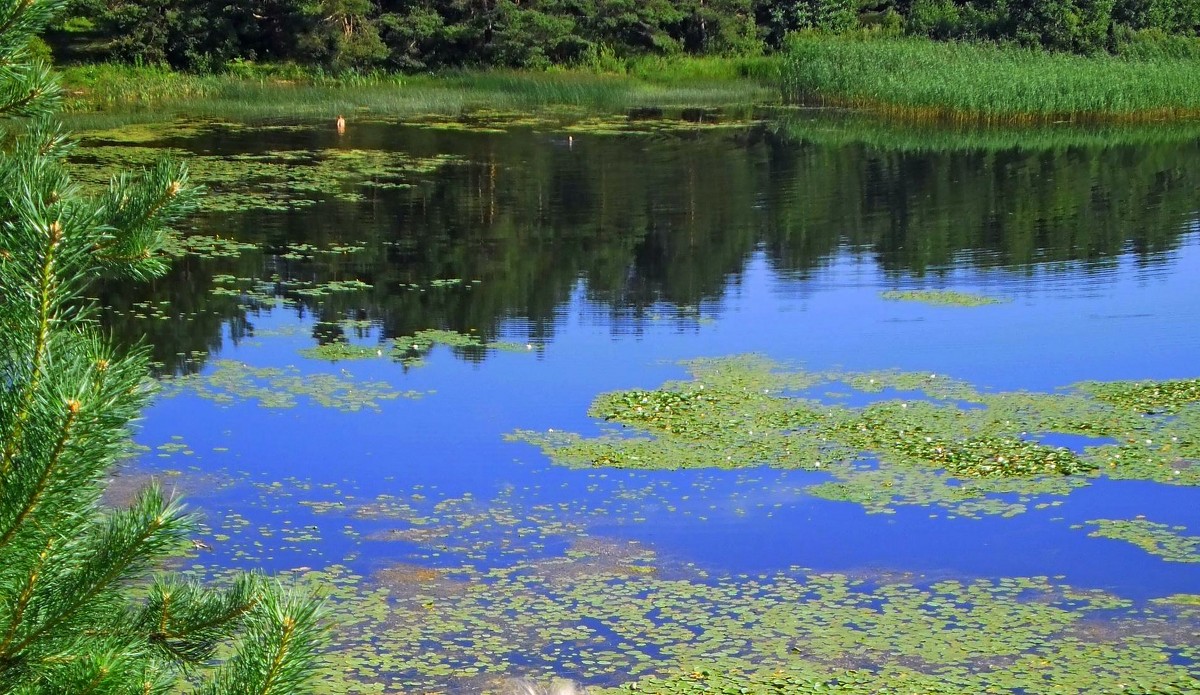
(695, 82)
(919, 80)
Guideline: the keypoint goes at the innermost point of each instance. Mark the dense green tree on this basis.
(205, 35)
(778, 17)
(69, 568)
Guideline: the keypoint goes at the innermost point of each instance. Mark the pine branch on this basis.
(123, 545)
(188, 621)
(278, 652)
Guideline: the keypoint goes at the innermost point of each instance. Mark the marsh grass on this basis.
(922, 80)
(840, 127)
(121, 89)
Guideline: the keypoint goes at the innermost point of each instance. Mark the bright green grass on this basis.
(120, 89)
(917, 79)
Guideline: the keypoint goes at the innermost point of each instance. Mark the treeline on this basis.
(412, 35)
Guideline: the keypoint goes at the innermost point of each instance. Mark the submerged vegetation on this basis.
(934, 441)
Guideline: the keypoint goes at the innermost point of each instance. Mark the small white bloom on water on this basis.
(528, 346)
(903, 405)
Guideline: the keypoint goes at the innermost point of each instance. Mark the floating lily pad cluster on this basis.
(933, 440)
(476, 590)
(497, 588)
(638, 122)
(206, 246)
(339, 350)
(231, 382)
(277, 180)
(942, 297)
(1149, 397)
(1167, 542)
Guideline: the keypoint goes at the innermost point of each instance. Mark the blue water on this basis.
(1072, 315)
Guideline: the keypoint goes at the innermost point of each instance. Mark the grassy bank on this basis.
(282, 93)
(922, 80)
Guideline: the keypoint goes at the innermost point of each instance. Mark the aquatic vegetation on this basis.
(1147, 396)
(1157, 539)
(944, 443)
(479, 589)
(274, 180)
(411, 350)
(941, 297)
(612, 612)
(339, 350)
(923, 80)
(324, 289)
(230, 381)
(206, 246)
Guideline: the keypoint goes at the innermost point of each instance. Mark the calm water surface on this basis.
(610, 258)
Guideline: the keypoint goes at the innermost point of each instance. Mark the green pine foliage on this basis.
(69, 568)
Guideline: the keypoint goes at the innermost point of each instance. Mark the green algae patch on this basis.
(1167, 542)
(231, 382)
(945, 443)
(941, 297)
(146, 133)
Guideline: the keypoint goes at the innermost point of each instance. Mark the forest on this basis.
(206, 36)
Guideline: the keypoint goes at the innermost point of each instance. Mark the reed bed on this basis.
(922, 80)
(109, 88)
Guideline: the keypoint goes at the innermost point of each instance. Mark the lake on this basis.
(742, 400)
